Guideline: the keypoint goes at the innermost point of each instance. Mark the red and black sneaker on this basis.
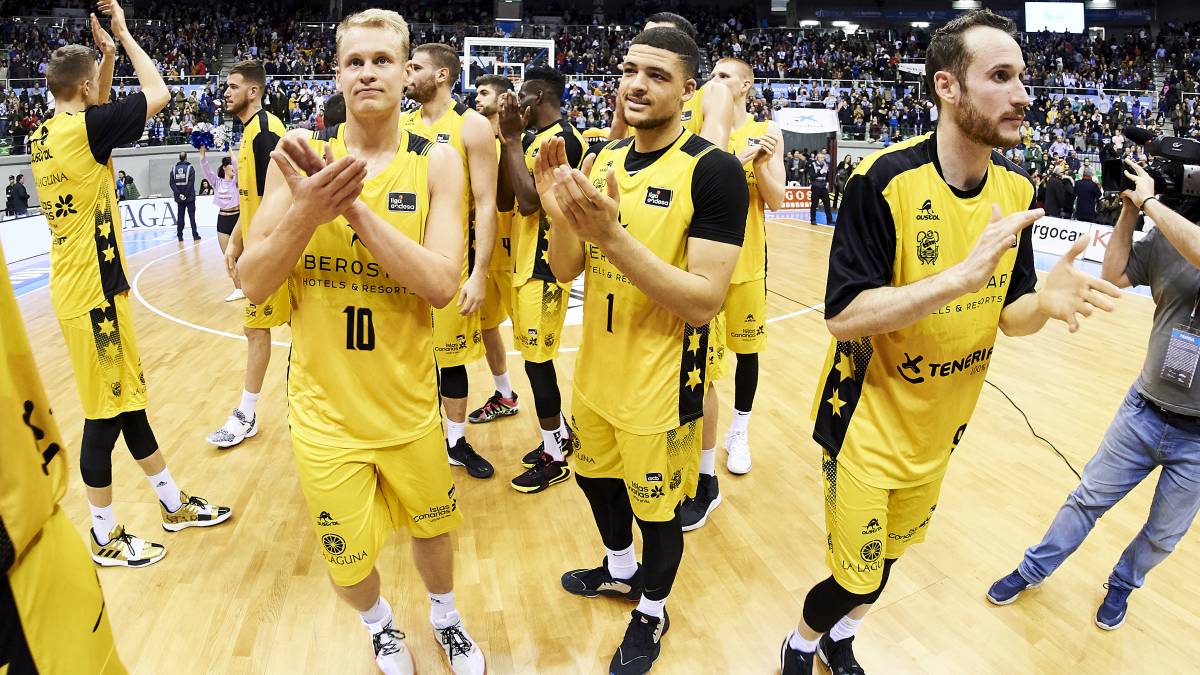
(566, 445)
(544, 473)
(496, 406)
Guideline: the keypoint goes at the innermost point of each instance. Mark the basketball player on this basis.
(928, 260)
(457, 336)
(72, 162)
(369, 243)
(498, 300)
(49, 595)
(261, 132)
(758, 146)
(656, 224)
(540, 302)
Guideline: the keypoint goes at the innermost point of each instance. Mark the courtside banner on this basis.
(1098, 241)
(796, 198)
(1057, 235)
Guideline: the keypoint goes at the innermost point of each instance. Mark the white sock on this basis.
(454, 431)
(379, 614)
(708, 462)
(103, 521)
(168, 492)
(621, 564)
(741, 421)
(845, 628)
(503, 385)
(651, 607)
(795, 641)
(249, 401)
(550, 444)
(441, 606)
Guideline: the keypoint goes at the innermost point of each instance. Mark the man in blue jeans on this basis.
(1157, 425)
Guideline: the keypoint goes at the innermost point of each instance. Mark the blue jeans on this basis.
(1138, 440)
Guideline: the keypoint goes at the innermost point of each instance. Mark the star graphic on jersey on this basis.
(109, 254)
(836, 402)
(694, 378)
(106, 327)
(845, 366)
(106, 351)
(105, 229)
(545, 257)
(693, 343)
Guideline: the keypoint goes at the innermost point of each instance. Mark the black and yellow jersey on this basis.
(692, 114)
(530, 240)
(448, 129)
(501, 260)
(687, 190)
(752, 263)
(259, 138)
(72, 167)
(33, 466)
(893, 407)
(361, 372)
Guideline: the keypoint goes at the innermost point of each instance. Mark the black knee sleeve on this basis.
(135, 426)
(610, 508)
(828, 602)
(544, 383)
(745, 382)
(95, 453)
(662, 551)
(453, 382)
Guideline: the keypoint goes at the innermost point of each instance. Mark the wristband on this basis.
(1147, 199)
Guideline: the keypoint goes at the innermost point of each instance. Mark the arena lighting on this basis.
(920, 24)
(840, 24)
(809, 22)
(965, 4)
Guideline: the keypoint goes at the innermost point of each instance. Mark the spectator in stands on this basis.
(120, 186)
(206, 188)
(131, 190)
(20, 196)
(8, 194)
(1059, 193)
(842, 175)
(1087, 194)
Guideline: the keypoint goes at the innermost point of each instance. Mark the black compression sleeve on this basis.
(720, 198)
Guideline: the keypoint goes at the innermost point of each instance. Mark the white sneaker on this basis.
(237, 294)
(235, 430)
(391, 654)
(739, 452)
(466, 658)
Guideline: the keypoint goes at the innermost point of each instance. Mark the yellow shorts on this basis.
(104, 355)
(358, 497)
(63, 620)
(276, 311)
(457, 339)
(538, 316)
(718, 354)
(659, 470)
(868, 524)
(746, 317)
(498, 303)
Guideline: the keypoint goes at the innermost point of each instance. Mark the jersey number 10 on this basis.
(360, 329)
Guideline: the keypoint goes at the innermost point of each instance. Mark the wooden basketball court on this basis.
(252, 596)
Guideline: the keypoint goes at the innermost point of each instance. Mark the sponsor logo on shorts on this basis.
(436, 512)
(333, 543)
(912, 530)
(549, 339)
(872, 526)
(326, 520)
(645, 493)
(116, 388)
(676, 480)
(335, 550)
(404, 202)
(871, 550)
(654, 477)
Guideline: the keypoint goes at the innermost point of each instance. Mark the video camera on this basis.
(1174, 165)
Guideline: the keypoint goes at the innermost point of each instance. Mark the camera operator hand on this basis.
(1143, 184)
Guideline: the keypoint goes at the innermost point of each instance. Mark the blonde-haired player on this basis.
(369, 244)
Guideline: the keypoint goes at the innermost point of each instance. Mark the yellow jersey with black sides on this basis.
(33, 466)
(71, 155)
(448, 129)
(891, 408)
(752, 263)
(259, 138)
(688, 190)
(361, 372)
(530, 234)
(692, 114)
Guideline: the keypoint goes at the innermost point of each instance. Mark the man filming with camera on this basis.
(1158, 423)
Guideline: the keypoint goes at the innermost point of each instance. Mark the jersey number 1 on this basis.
(360, 329)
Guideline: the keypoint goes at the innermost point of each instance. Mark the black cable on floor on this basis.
(821, 311)
(1033, 431)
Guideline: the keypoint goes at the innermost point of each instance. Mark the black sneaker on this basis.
(598, 581)
(794, 661)
(462, 454)
(496, 406)
(567, 445)
(642, 643)
(544, 473)
(694, 512)
(839, 656)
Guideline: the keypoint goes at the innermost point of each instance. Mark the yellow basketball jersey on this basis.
(752, 263)
(531, 233)
(448, 129)
(361, 371)
(659, 358)
(893, 407)
(79, 198)
(33, 466)
(259, 138)
(693, 112)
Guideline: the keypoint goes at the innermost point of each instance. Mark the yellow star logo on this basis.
(693, 343)
(109, 254)
(106, 327)
(545, 257)
(694, 378)
(845, 366)
(836, 402)
(106, 352)
(105, 229)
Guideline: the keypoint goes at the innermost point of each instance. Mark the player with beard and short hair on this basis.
(457, 334)
(928, 259)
